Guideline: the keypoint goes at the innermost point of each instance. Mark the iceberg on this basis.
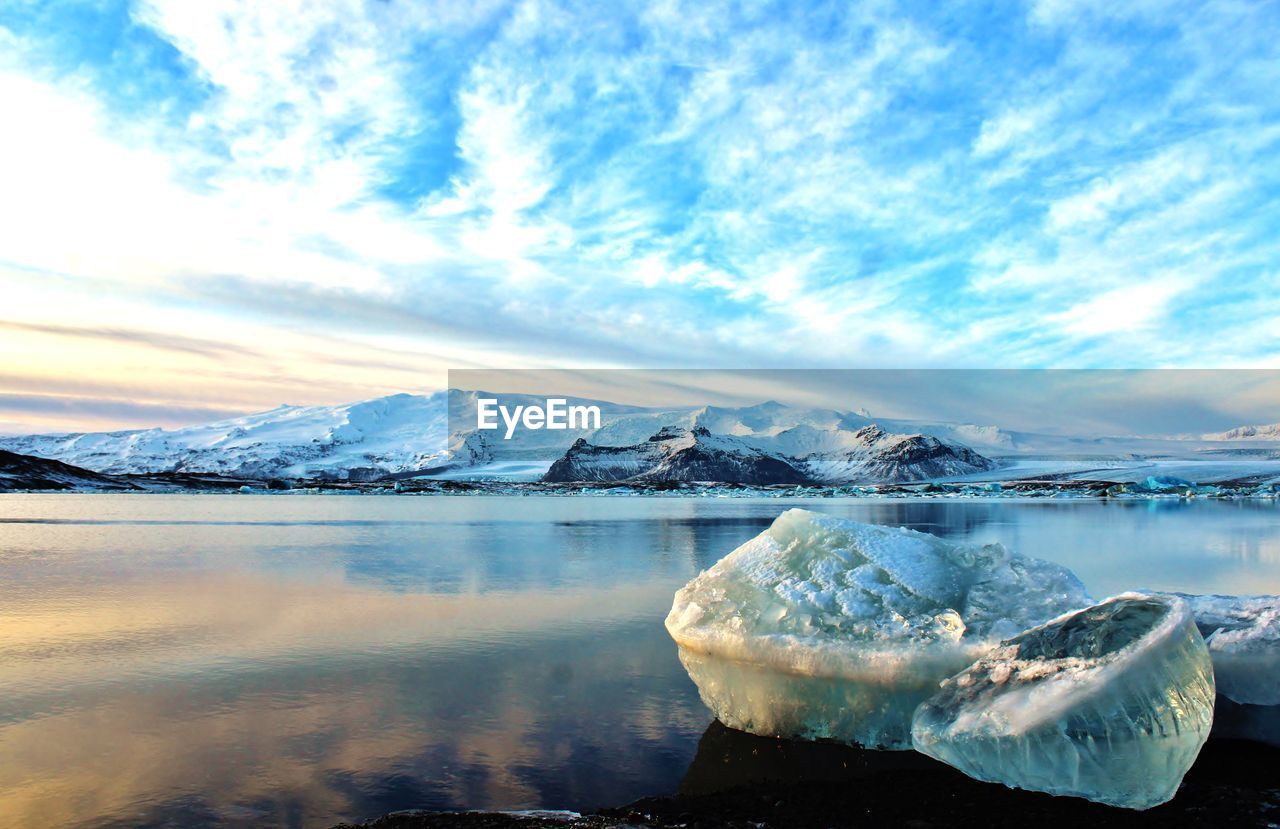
(1243, 635)
(827, 628)
(1110, 703)
(1164, 483)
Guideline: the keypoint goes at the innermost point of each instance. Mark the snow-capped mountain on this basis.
(731, 444)
(987, 438)
(1269, 432)
(801, 454)
(875, 456)
(354, 441)
(675, 454)
(627, 428)
(405, 434)
(768, 418)
(544, 443)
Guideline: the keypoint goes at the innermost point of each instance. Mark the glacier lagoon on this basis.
(259, 661)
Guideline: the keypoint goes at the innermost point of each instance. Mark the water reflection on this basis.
(295, 661)
(309, 738)
(828, 782)
(728, 759)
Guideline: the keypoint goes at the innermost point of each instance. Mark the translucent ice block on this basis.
(821, 627)
(1111, 703)
(1243, 635)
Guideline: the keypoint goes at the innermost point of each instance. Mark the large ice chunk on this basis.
(1111, 703)
(821, 627)
(1243, 635)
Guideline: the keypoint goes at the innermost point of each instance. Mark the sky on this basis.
(213, 208)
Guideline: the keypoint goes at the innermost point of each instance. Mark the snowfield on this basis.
(370, 438)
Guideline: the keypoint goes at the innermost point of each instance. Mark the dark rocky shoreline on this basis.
(207, 484)
(739, 781)
(28, 473)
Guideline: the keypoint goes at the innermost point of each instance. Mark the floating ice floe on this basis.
(1243, 635)
(826, 628)
(1111, 703)
(1164, 483)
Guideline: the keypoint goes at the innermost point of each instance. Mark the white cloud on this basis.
(1121, 309)
(1151, 181)
(1014, 126)
(314, 90)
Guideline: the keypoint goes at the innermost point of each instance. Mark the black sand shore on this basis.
(739, 781)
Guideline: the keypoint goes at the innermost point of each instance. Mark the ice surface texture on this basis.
(1243, 635)
(820, 627)
(1111, 703)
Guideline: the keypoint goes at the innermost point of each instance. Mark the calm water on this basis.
(296, 661)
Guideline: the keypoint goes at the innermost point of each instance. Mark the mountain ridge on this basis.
(675, 454)
(28, 472)
(405, 435)
(869, 455)
(1267, 432)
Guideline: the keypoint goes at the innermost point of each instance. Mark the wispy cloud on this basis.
(96, 409)
(328, 184)
(169, 342)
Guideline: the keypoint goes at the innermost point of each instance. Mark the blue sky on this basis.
(221, 206)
